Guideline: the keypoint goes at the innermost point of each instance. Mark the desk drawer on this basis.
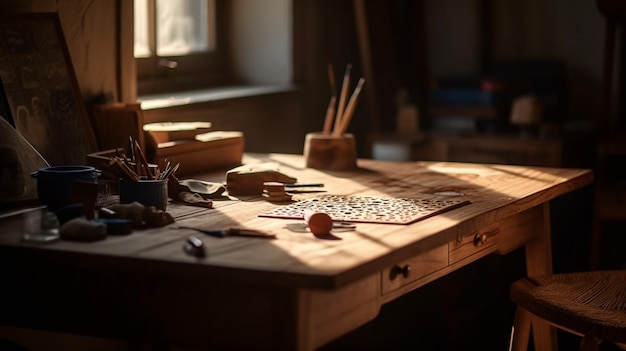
(501, 237)
(414, 268)
(482, 242)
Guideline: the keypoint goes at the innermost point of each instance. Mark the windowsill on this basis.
(157, 101)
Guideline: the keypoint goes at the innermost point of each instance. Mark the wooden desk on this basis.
(297, 292)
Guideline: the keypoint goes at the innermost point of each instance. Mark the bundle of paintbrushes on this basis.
(136, 167)
(341, 111)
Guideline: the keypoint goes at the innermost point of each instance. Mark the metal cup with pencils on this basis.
(138, 181)
(148, 192)
(333, 148)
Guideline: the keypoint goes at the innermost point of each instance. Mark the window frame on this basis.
(193, 71)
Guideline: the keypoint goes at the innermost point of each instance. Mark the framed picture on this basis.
(40, 88)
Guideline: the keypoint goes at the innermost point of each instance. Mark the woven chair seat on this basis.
(590, 303)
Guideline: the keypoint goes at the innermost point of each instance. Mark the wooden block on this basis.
(169, 131)
(249, 179)
(281, 198)
(273, 187)
(274, 193)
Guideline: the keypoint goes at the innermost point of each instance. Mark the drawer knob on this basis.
(396, 270)
(480, 239)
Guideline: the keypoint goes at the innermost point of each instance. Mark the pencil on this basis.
(331, 79)
(330, 114)
(142, 161)
(345, 120)
(342, 98)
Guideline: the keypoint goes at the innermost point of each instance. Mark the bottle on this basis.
(407, 117)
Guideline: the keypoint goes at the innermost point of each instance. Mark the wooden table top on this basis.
(299, 259)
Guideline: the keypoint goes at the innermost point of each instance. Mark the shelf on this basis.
(474, 112)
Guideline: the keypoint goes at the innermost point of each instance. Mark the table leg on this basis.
(539, 262)
(292, 330)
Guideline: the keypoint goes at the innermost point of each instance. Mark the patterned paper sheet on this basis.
(369, 209)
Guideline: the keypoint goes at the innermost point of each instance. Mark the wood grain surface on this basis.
(301, 259)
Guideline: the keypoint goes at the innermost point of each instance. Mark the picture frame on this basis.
(41, 90)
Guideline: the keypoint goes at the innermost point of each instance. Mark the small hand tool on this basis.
(194, 247)
(303, 185)
(222, 233)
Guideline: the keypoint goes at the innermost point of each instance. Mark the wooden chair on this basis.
(589, 304)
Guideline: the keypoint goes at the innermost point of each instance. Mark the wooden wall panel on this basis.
(90, 31)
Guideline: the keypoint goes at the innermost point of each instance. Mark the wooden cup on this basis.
(329, 152)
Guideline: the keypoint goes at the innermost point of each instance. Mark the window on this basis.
(180, 45)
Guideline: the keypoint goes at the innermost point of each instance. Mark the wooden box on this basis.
(169, 131)
(209, 151)
(100, 160)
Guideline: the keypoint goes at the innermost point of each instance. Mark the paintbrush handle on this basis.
(350, 109)
(342, 97)
(330, 114)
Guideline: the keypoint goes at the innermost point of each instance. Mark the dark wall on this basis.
(411, 41)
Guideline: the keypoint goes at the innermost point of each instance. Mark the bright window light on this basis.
(180, 27)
